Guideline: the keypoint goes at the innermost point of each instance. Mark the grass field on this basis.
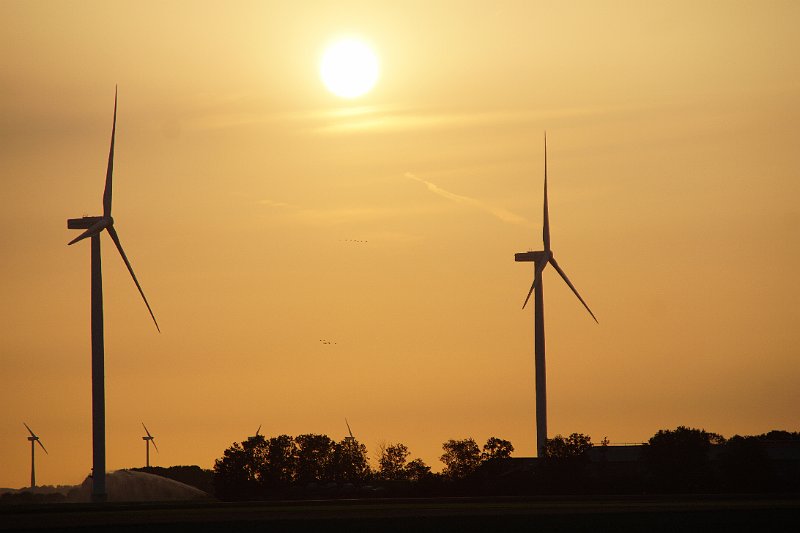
(558, 514)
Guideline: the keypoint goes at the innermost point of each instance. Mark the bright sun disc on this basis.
(349, 68)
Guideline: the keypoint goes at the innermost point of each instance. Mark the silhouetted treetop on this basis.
(779, 435)
(392, 461)
(496, 449)
(350, 462)
(280, 465)
(679, 459)
(574, 446)
(261, 467)
(417, 470)
(461, 458)
(314, 458)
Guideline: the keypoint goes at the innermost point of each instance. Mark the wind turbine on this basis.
(93, 226)
(541, 259)
(148, 439)
(351, 438)
(34, 440)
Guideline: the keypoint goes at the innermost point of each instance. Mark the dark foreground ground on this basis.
(684, 513)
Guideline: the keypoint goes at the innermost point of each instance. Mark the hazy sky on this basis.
(241, 182)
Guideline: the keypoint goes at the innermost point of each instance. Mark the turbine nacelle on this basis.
(83, 222)
(541, 257)
(94, 227)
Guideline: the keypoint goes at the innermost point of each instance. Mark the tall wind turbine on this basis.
(148, 439)
(540, 260)
(34, 440)
(93, 226)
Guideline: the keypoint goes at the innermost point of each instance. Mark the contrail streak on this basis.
(502, 214)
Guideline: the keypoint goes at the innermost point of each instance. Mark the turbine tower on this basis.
(148, 439)
(34, 440)
(93, 226)
(540, 260)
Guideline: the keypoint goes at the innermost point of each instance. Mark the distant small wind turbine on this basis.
(93, 226)
(540, 260)
(34, 440)
(351, 438)
(148, 439)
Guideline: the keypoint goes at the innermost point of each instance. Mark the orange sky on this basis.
(673, 134)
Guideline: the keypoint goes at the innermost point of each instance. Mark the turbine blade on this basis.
(115, 238)
(533, 285)
(93, 230)
(537, 270)
(348, 428)
(259, 429)
(30, 430)
(42, 445)
(154, 444)
(571, 286)
(145, 430)
(110, 170)
(546, 224)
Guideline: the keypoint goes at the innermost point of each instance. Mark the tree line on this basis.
(310, 464)
(315, 466)
(679, 460)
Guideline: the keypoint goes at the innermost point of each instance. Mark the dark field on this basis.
(646, 514)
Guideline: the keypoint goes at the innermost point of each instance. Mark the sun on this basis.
(349, 68)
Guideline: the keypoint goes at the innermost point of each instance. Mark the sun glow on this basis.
(349, 68)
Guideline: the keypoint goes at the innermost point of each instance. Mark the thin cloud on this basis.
(500, 213)
(388, 119)
(341, 215)
(271, 203)
(237, 112)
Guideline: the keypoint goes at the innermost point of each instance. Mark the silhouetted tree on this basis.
(26, 497)
(417, 471)
(565, 464)
(461, 458)
(280, 466)
(744, 465)
(678, 459)
(314, 458)
(392, 462)
(779, 435)
(496, 449)
(350, 462)
(237, 475)
(574, 446)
